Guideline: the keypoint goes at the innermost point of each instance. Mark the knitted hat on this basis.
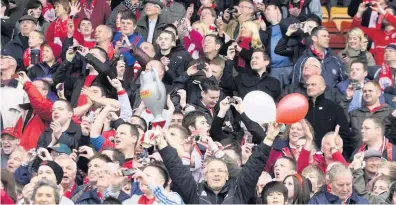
(58, 171)
(56, 49)
(393, 46)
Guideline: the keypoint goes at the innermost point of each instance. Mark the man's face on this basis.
(8, 143)
(148, 48)
(357, 72)
(26, 27)
(209, 44)
(206, 17)
(327, 145)
(127, 26)
(210, 97)
(272, 14)
(60, 112)
(15, 161)
(48, 55)
(154, 177)
(69, 171)
(152, 9)
(201, 125)
(311, 67)
(104, 177)
(101, 34)
(177, 119)
(86, 28)
(40, 87)
(123, 138)
(369, 131)
(176, 136)
(309, 25)
(165, 41)
(390, 55)
(7, 62)
(372, 164)
(216, 175)
(95, 166)
(45, 195)
(342, 186)
(217, 71)
(45, 172)
(370, 94)
(97, 91)
(314, 181)
(282, 168)
(322, 39)
(246, 8)
(314, 86)
(276, 198)
(34, 40)
(258, 62)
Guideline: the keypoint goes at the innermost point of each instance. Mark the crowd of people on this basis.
(75, 130)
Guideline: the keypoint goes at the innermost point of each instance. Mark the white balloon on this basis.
(259, 107)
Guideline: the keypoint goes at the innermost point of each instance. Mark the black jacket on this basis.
(42, 70)
(324, 115)
(16, 48)
(179, 61)
(74, 84)
(293, 46)
(353, 8)
(235, 191)
(7, 31)
(72, 137)
(246, 82)
(142, 28)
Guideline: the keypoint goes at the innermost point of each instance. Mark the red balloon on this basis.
(292, 108)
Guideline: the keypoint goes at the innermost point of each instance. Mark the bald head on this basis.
(148, 48)
(103, 33)
(315, 86)
(312, 66)
(158, 66)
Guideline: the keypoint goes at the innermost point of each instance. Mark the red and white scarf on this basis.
(70, 190)
(88, 9)
(60, 29)
(243, 42)
(26, 56)
(386, 145)
(319, 54)
(144, 200)
(385, 77)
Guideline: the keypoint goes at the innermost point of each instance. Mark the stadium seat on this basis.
(345, 27)
(325, 13)
(337, 41)
(339, 13)
(331, 27)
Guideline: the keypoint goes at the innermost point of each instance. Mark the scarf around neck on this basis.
(243, 42)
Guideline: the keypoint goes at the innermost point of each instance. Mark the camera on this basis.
(369, 4)
(356, 85)
(298, 25)
(122, 57)
(232, 100)
(128, 172)
(77, 48)
(232, 11)
(197, 138)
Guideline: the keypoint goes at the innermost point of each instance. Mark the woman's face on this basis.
(45, 195)
(289, 184)
(354, 41)
(59, 10)
(296, 132)
(275, 198)
(245, 32)
(380, 187)
(36, 12)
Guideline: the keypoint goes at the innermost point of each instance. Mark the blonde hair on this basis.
(254, 29)
(354, 32)
(203, 27)
(285, 135)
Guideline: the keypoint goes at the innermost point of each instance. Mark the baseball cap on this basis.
(60, 148)
(10, 131)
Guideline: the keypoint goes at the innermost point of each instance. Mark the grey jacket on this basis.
(360, 188)
(353, 55)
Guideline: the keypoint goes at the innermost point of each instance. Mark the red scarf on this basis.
(301, 4)
(68, 193)
(386, 145)
(82, 100)
(144, 200)
(319, 54)
(88, 9)
(244, 42)
(60, 28)
(385, 77)
(48, 8)
(110, 51)
(26, 56)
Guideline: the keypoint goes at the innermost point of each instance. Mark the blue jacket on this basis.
(135, 39)
(91, 197)
(333, 70)
(324, 197)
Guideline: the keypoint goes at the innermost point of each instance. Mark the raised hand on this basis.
(115, 83)
(74, 8)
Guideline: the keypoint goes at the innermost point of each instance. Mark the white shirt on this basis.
(150, 35)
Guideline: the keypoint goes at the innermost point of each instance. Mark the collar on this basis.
(376, 108)
(11, 83)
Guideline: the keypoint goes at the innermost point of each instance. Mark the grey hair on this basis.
(44, 182)
(338, 170)
(66, 157)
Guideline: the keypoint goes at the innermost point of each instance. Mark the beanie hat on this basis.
(56, 50)
(58, 171)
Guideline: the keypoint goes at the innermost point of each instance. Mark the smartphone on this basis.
(232, 10)
(356, 85)
(77, 48)
(249, 139)
(128, 172)
(122, 57)
(344, 55)
(60, 87)
(197, 138)
(201, 65)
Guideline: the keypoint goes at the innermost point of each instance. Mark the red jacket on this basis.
(318, 159)
(42, 113)
(380, 37)
(50, 34)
